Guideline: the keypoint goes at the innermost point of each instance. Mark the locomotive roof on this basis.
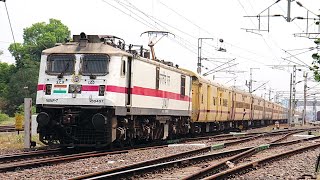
(74, 48)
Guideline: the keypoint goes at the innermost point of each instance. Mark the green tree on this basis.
(36, 38)
(6, 71)
(316, 63)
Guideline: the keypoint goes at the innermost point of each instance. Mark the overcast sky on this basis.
(188, 20)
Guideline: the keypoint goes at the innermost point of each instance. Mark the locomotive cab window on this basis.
(60, 64)
(183, 85)
(95, 64)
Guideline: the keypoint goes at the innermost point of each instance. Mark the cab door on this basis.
(195, 100)
(129, 79)
(219, 104)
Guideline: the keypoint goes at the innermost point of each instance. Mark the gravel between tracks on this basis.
(179, 173)
(263, 173)
(290, 168)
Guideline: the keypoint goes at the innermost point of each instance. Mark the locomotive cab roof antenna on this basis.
(153, 39)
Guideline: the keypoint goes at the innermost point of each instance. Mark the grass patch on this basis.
(14, 140)
(9, 121)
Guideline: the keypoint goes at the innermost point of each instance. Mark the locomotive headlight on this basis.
(78, 88)
(72, 88)
(75, 88)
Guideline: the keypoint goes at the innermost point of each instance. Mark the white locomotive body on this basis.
(92, 92)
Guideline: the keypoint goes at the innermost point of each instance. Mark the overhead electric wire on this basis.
(299, 4)
(244, 9)
(14, 40)
(105, 1)
(213, 70)
(300, 53)
(6, 42)
(213, 36)
(243, 49)
(156, 20)
(296, 58)
(149, 17)
(145, 22)
(293, 21)
(185, 18)
(301, 49)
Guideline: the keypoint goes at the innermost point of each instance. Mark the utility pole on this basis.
(270, 94)
(276, 98)
(250, 81)
(199, 54)
(304, 98)
(289, 11)
(293, 104)
(290, 100)
(314, 109)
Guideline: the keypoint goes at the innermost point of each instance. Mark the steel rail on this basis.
(16, 156)
(7, 128)
(260, 162)
(64, 158)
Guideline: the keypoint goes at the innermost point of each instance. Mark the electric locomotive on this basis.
(96, 90)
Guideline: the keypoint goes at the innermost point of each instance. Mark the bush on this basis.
(20, 109)
(3, 117)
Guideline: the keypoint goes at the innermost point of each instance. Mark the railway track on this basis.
(183, 159)
(10, 163)
(9, 128)
(45, 153)
(29, 155)
(27, 159)
(245, 167)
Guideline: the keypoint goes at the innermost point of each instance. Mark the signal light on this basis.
(101, 90)
(48, 89)
(74, 88)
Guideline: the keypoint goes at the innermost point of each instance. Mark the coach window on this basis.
(183, 85)
(123, 68)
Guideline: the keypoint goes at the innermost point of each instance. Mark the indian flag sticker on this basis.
(60, 89)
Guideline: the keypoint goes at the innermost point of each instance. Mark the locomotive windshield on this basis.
(95, 64)
(60, 64)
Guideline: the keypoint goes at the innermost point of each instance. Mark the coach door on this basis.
(128, 88)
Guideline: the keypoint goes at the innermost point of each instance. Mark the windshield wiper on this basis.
(64, 71)
(91, 75)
